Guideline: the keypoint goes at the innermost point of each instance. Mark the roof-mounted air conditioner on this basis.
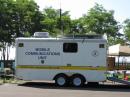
(41, 34)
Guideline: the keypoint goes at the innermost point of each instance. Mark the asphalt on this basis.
(44, 89)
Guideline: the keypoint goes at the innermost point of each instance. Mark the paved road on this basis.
(50, 90)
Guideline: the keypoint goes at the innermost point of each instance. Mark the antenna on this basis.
(61, 23)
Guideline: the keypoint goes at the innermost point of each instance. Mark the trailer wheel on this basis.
(78, 80)
(61, 80)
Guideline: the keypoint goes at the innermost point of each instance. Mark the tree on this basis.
(17, 18)
(5, 25)
(26, 17)
(77, 27)
(50, 20)
(64, 22)
(100, 21)
(54, 23)
(127, 29)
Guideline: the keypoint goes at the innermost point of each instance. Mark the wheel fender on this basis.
(60, 74)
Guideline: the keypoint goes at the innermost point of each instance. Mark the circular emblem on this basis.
(95, 53)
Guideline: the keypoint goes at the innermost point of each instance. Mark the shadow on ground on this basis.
(100, 87)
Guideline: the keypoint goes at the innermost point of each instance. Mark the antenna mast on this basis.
(61, 22)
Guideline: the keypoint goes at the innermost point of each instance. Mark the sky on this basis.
(79, 7)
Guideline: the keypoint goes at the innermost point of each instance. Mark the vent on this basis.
(41, 34)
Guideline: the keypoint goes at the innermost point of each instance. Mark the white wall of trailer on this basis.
(80, 58)
(84, 55)
(24, 56)
(39, 74)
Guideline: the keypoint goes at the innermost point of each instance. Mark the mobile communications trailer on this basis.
(72, 60)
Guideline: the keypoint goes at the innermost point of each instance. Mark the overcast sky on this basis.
(79, 7)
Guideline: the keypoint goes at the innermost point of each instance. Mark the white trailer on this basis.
(68, 60)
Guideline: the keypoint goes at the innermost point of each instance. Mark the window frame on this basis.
(20, 44)
(72, 47)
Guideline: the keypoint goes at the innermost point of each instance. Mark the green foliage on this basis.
(5, 21)
(27, 17)
(77, 27)
(115, 40)
(101, 21)
(27, 34)
(127, 29)
(54, 23)
(18, 17)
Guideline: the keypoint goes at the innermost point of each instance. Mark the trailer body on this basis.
(49, 58)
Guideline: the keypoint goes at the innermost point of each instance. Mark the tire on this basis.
(61, 80)
(77, 81)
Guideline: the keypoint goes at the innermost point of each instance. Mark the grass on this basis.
(1, 81)
(10, 80)
(120, 76)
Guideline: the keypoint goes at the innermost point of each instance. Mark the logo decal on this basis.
(95, 53)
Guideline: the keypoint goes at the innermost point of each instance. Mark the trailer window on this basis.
(70, 47)
(101, 46)
(21, 45)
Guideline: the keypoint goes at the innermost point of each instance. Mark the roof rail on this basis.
(83, 36)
